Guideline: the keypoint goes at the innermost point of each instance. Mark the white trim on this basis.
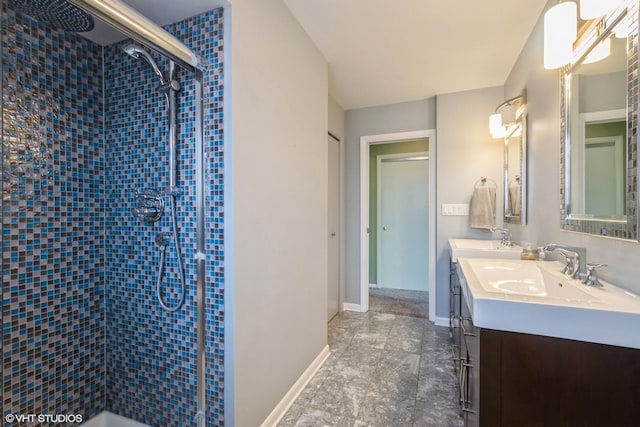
(351, 307)
(365, 142)
(283, 406)
(442, 321)
(379, 159)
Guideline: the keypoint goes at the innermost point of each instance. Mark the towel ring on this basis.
(483, 182)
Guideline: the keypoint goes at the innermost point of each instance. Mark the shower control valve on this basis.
(149, 206)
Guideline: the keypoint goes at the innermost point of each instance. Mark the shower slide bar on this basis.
(133, 24)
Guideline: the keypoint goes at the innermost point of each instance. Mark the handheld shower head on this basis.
(138, 52)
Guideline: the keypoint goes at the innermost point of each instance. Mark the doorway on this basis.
(402, 207)
(369, 225)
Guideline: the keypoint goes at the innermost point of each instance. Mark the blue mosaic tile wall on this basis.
(151, 354)
(53, 175)
(82, 330)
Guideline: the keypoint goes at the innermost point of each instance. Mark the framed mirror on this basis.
(599, 145)
(515, 171)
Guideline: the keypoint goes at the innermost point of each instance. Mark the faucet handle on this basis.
(571, 258)
(592, 274)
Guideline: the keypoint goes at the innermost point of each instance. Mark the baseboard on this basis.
(283, 406)
(373, 285)
(442, 321)
(351, 307)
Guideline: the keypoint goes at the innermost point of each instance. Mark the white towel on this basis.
(483, 207)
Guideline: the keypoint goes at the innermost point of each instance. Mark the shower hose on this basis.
(163, 256)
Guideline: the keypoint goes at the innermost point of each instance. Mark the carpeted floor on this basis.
(399, 301)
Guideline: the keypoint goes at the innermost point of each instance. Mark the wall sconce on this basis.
(497, 129)
(560, 31)
(592, 9)
(495, 126)
(599, 52)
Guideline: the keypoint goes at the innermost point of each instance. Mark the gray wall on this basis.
(277, 270)
(407, 116)
(465, 152)
(543, 106)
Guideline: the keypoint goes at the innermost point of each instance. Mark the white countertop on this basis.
(567, 309)
(477, 248)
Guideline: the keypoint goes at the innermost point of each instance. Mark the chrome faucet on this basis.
(573, 255)
(592, 276)
(506, 236)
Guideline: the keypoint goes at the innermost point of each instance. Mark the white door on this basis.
(604, 176)
(333, 204)
(403, 224)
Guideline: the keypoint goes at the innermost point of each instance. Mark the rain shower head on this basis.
(57, 13)
(138, 52)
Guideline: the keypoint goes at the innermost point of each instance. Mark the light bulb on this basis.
(495, 126)
(599, 52)
(591, 9)
(560, 31)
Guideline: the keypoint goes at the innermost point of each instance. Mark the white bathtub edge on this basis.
(107, 419)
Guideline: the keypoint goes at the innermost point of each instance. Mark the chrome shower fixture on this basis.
(137, 52)
(149, 206)
(163, 240)
(57, 13)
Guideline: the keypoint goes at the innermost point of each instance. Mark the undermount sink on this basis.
(476, 248)
(535, 297)
(526, 278)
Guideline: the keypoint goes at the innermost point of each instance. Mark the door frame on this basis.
(389, 138)
(379, 160)
(332, 136)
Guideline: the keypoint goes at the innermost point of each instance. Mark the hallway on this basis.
(384, 370)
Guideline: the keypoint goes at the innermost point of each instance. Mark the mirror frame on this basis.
(520, 122)
(596, 32)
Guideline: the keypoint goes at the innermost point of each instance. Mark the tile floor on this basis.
(399, 301)
(384, 370)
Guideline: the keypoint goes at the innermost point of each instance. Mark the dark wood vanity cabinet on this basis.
(516, 379)
(513, 379)
(469, 367)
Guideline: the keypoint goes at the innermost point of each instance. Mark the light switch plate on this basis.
(450, 209)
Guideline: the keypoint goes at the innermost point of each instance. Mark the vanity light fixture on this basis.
(499, 130)
(622, 30)
(591, 9)
(599, 52)
(495, 126)
(560, 31)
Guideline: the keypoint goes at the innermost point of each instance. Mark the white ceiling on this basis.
(388, 51)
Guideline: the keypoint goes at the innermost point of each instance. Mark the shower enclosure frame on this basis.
(142, 30)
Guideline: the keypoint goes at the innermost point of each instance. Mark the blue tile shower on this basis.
(83, 128)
